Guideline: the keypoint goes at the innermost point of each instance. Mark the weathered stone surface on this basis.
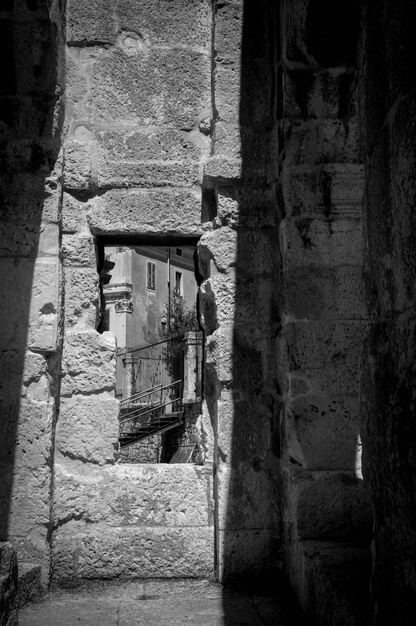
(324, 293)
(229, 21)
(327, 431)
(132, 551)
(140, 495)
(144, 211)
(183, 23)
(88, 427)
(153, 157)
(81, 297)
(246, 498)
(74, 214)
(8, 579)
(78, 250)
(39, 279)
(78, 165)
(30, 507)
(326, 354)
(332, 505)
(229, 83)
(313, 242)
(34, 435)
(45, 305)
(27, 200)
(92, 23)
(310, 94)
(321, 141)
(240, 551)
(152, 87)
(331, 191)
(29, 586)
(88, 362)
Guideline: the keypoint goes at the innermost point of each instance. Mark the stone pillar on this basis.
(124, 318)
(192, 367)
(128, 375)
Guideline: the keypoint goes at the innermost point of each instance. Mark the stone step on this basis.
(29, 583)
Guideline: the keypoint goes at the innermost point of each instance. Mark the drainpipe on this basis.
(168, 267)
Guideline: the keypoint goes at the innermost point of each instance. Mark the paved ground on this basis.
(161, 603)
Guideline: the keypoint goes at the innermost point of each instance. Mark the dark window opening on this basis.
(178, 284)
(151, 276)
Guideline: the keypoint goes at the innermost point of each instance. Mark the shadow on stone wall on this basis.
(29, 265)
(248, 486)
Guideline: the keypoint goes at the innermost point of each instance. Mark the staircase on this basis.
(150, 412)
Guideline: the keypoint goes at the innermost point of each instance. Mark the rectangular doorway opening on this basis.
(149, 301)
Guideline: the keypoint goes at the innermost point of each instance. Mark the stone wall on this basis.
(137, 125)
(388, 114)
(240, 264)
(31, 95)
(324, 320)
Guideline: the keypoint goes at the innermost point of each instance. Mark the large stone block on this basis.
(88, 362)
(74, 214)
(219, 352)
(45, 305)
(321, 141)
(26, 201)
(88, 427)
(247, 496)
(34, 430)
(324, 293)
(332, 504)
(78, 250)
(39, 286)
(238, 96)
(29, 507)
(143, 495)
(241, 551)
(78, 165)
(81, 297)
(327, 431)
(166, 23)
(229, 20)
(132, 552)
(327, 94)
(91, 23)
(153, 87)
(332, 191)
(317, 242)
(326, 354)
(145, 211)
(155, 157)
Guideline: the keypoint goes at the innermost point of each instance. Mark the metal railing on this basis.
(150, 412)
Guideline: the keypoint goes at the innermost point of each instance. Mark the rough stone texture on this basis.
(144, 211)
(136, 136)
(388, 108)
(238, 122)
(29, 583)
(161, 516)
(238, 260)
(87, 428)
(323, 312)
(8, 584)
(30, 293)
